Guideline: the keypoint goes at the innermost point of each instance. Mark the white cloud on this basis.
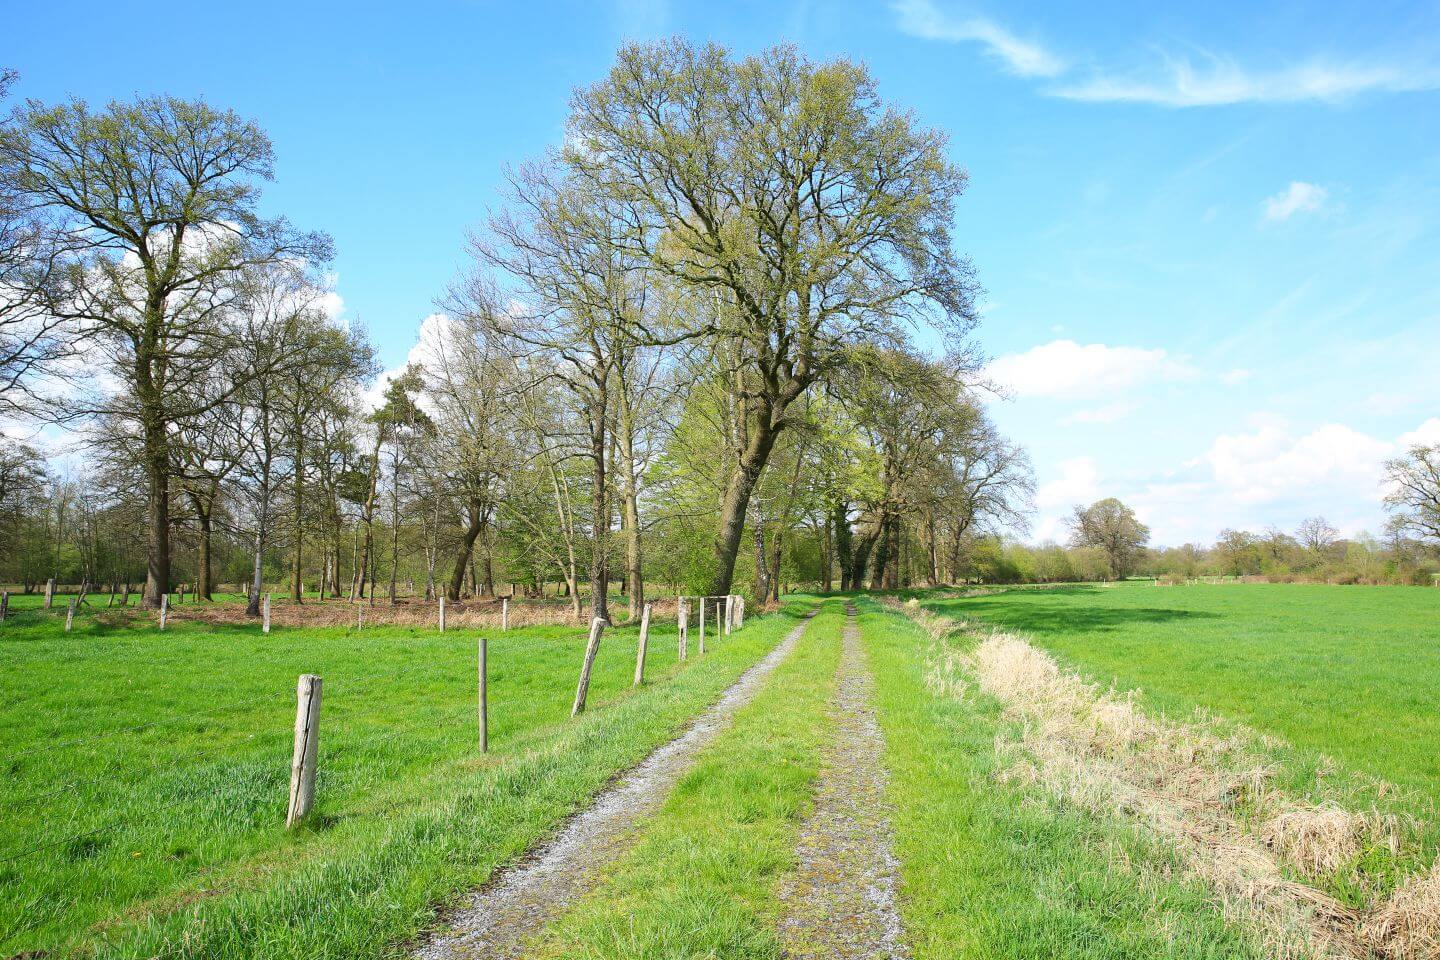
(1078, 483)
(1109, 413)
(1064, 368)
(1239, 375)
(1220, 81)
(1270, 464)
(430, 338)
(1299, 197)
(922, 18)
(1426, 435)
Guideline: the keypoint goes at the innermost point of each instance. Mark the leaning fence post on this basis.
(307, 746)
(592, 647)
(164, 608)
(505, 613)
(640, 647)
(484, 695)
(265, 612)
(442, 614)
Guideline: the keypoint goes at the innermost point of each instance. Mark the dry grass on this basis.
(1201, 788)
(472, 613)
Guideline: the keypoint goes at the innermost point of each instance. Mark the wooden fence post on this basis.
(307, 746)
(729, 613)
(505, 614)
(4, 605)
(49, 593)
(484, 695)
(164, 608)
(640, 647)
(69, 614)
(684, 620)
(597, 627)
(265, 614)
(702, 626)
(442, 614)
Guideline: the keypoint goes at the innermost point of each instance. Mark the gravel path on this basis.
(841, 901)
(504, 915)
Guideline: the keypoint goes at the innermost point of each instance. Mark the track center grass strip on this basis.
(700, 881)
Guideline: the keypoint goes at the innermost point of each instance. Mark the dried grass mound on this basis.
(1408, 924)
(1323, 840)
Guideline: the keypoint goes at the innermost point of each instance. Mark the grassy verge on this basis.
(700, 882)
(162, 836)
(989, 870)
(1335, 673)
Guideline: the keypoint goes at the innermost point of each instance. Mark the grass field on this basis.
(146, 775)
(1353, 672)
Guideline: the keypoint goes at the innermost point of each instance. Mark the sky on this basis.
(1209, 237)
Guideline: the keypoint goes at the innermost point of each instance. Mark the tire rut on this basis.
(841, 901)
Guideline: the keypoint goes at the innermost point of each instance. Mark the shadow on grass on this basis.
(1041, 618)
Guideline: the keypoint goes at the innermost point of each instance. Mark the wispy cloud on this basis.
(1299, 197)
(923, 19)
(1205, 80)
(1219, 81)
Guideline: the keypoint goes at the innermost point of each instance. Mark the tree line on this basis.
(719, 336)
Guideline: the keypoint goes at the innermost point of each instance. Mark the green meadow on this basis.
(146, 774)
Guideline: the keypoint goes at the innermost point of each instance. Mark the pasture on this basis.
(146, 773)
(1352, 672)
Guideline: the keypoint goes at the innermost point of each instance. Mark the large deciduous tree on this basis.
(161, 195)
(1414, 491)
(818, 217)
(1113, 527)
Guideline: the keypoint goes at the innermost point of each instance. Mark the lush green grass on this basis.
(991, 871)
(151, 769)
(701, 881)
(1350, 671)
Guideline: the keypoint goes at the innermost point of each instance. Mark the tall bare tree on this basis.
(161, 194)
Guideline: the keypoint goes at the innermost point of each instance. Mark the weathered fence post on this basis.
(484, 695)
(49, 593)
(684, 620)
(505, 614)
(442, 614)
(729, 613)
(164, 608)
(307, 746)
(643, 643)
(740, 622)
(597, 627)
(265, 614)
(702, 625)
(69, 614)
(4, 605)
(360, 617)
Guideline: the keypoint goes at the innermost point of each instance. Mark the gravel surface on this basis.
(502, 917)
(841, 900)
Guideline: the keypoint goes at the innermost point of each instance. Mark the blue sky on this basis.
(1210, 238)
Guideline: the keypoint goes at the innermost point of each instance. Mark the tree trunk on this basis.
(157, 560)
(297, 573)
(600, 504)
(762, 572)
(204, 584)
(844, 541)
(362, 567)
(737, 502)
(462, 556)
